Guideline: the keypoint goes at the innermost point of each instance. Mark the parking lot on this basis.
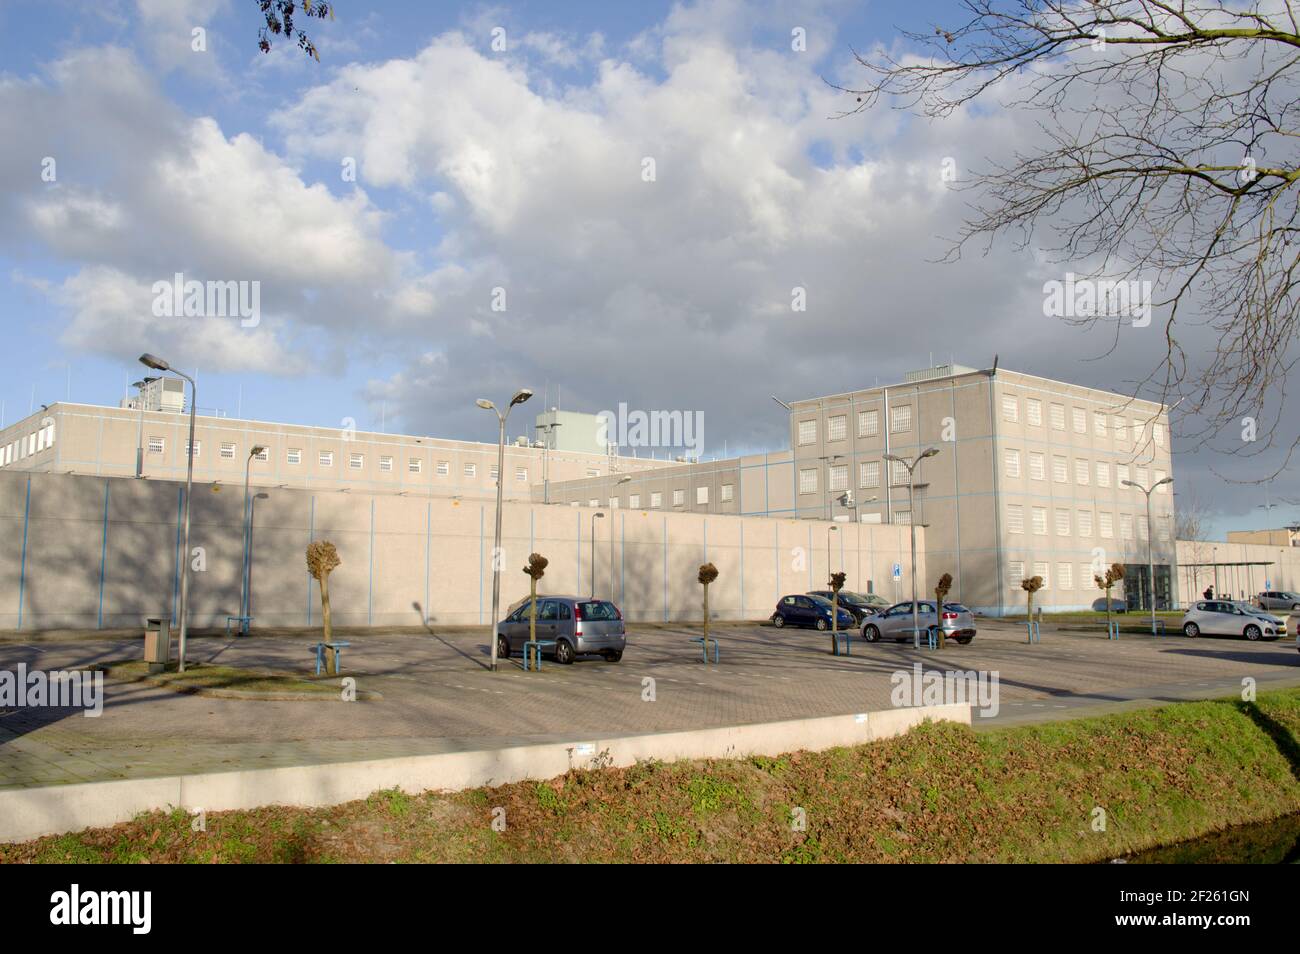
(438, 695)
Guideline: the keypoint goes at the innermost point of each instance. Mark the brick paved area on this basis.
(439, 696)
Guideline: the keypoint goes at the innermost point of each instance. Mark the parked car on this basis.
(803, 610)
(578, 625)
(1116, 606)
(861, 605)
(1278, 600)
(1293, 627)
(895, 622)
(1226, 618)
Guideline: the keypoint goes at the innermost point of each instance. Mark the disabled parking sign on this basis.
(898, 572)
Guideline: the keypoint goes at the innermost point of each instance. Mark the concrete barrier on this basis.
(32, 812)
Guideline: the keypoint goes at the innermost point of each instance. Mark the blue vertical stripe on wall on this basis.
(22, 571)
(176, 568)
(103, 557)
(428, 536)
(665, 569)
(311, 533)
(480, 562)
(370, 595)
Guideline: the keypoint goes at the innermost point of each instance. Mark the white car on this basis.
(1226, 618)
(1293, 628)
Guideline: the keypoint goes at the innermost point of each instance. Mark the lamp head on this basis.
(485, 404)
(928, 452)
(522, 395)
(155, 362)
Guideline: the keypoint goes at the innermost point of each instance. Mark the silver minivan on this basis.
(1278, 600)
(568, 626)
(896, 622)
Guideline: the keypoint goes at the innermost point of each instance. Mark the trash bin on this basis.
(157, 643)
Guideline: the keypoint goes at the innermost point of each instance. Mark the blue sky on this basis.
(518, 169)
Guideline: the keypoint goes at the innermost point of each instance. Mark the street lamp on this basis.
(911, 466)
(522, 395)
(158, 364)
(248, 540)
(594, 516)
(1151, 560)
(139, 441)
(829, 531)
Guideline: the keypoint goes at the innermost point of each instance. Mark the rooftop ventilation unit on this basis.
(939, 371)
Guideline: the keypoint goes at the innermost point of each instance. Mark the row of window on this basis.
(1102, 425)
(1083, 470)
(356, 461)
(726, 494)
(837, 425)
(1069, 523)
(26, 446)
(837, 476)
(1065, 576)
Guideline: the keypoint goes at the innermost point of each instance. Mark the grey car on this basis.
(571, 626)
(1226, 618)
(1279, 600)
(895, 622)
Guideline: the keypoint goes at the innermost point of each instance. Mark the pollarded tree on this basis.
(1114, 574)
(708, 573)
(1031, 586)
(535, 569)
(940, 594)
(836, 584)
(1168, 151)
(322, 560)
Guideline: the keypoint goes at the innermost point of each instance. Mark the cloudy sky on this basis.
(516, 177)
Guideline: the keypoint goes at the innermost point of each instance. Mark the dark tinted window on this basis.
(955, 607)
(565, 612)
(599, 610)
(547, 611)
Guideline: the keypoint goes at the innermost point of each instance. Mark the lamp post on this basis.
(625, 479)
(1151, 560)
(549, 429)
(139, 439)
(522, 395)
(248, 540)
(158, 364)
(911, 466)
(594, 516)
(829, 531)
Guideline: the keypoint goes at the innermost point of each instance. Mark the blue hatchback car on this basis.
(802, 610)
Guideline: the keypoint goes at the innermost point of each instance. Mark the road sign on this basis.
(898, 572)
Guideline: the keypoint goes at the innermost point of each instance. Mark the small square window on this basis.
(656, 500)
(701, 495)
(227, 451)
(415, 464)
(356, 461)
(679, 498)
(294, 455)
(385, 463)
(444, 467)
(326, 458)
(156, 445)
(471, 470)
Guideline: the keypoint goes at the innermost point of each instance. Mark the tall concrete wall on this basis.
(1242, 569)
(88, 552)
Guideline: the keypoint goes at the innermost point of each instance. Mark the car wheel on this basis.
(1295, 607)
(1253, 633)
(1191, 630)
(563, 652)
(614, 655)
(871, 634)
(778, 620)
(503, 648)
(822, 624)
(964, 639)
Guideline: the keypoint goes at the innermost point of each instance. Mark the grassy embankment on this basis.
(941, 793)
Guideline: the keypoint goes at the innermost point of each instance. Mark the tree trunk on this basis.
(331, 664)
(835, 616)
(1108, 612)
(532, 614)
(706, 621)
(938, 616)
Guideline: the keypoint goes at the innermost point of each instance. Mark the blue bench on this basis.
(704, 646)
(536, 645)
(244, 622)
(320, 654)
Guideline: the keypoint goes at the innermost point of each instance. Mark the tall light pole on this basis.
(911, 465)
(522, 395)
(248, 538)
(139, 439)
(626, 479)
(829, 531)
(549, 429)
(1151, 543)
(158, 364)
(594, 516)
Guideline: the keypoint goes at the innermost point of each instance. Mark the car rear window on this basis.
(955, 607)
(598, 610)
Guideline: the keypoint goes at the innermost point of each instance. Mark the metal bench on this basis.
(842, 634)
(704, 646)
(537, 645)
(1112, 629)
(244, 622)
(320, 654)
(1035, 631)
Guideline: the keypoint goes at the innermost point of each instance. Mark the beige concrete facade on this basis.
(1280, 537)
(87, 439)
(103, 552)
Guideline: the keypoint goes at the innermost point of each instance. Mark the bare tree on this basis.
(1168, 154)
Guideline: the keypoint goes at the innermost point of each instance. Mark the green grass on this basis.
(942, 793)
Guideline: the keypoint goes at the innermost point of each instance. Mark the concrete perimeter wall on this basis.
(103, 552)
